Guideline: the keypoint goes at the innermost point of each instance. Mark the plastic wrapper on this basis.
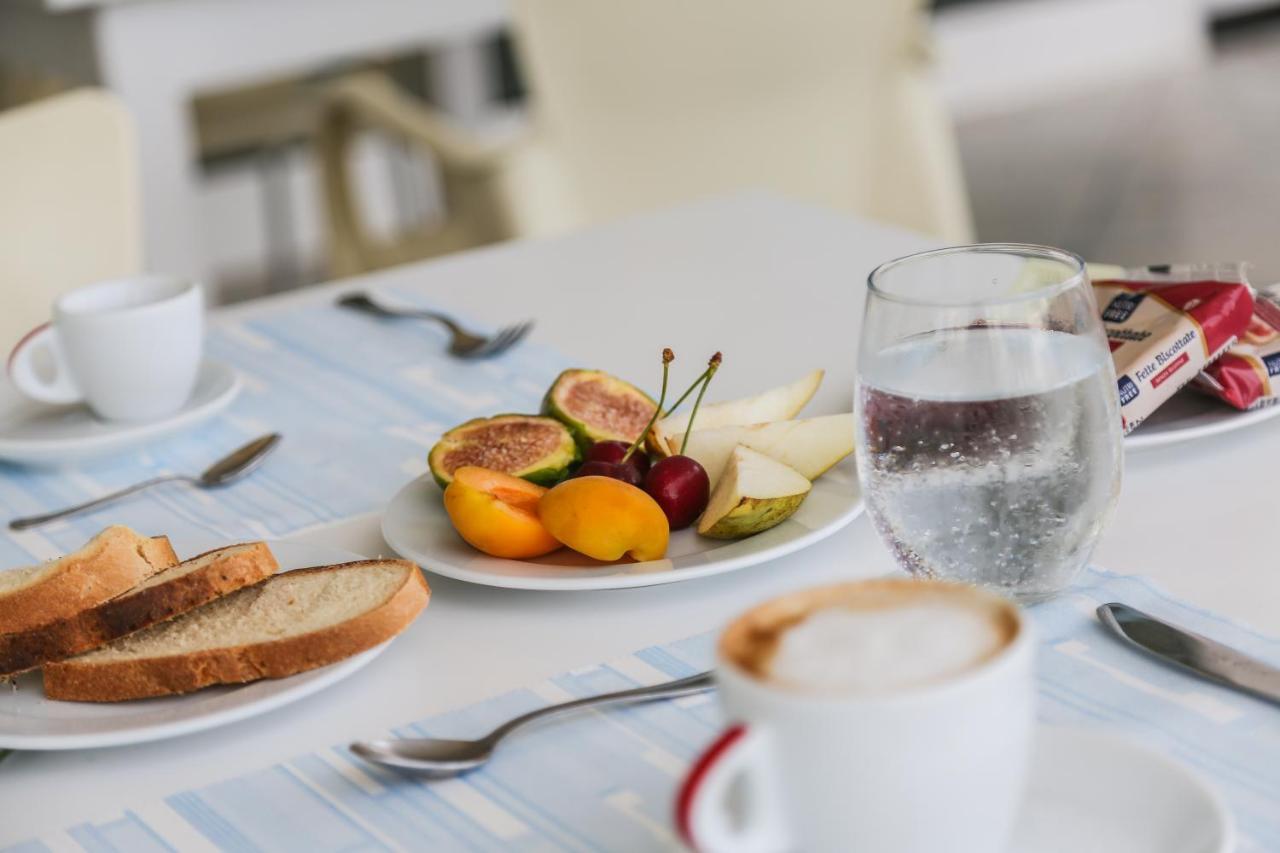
(1166, 324)
(1246, 374)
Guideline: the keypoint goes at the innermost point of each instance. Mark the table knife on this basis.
(1197, 654)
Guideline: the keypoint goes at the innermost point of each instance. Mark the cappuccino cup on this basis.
(129, 348)
(881, 716)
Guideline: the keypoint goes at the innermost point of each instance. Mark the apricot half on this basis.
(497, 513)
(605, 519)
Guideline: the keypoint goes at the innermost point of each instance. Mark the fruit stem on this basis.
(667, 357)
(701, 378)
(697, 383)
(712, 367)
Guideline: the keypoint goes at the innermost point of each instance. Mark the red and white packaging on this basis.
(1246, 374)
(1167, 323)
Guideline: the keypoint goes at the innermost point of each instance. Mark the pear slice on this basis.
(809, 445)
(776, 404)
(754, 494)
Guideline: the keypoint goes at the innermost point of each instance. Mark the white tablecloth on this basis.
(778, 287)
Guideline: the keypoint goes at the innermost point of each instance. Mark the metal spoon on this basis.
(440, 759)
(228, 469)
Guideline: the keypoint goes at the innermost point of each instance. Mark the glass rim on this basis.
(1071, 259)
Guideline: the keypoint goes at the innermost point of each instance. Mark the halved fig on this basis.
(540, 450)
(598, 407)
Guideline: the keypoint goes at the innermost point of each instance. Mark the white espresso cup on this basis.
(933, 766)
(130, 348)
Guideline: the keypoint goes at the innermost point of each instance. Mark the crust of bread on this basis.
(113, 562)
(158, 551)
(134, 611)
(121, 680)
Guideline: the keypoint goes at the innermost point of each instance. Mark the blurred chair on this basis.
(69, 208)
(257, 127)
(637, 105)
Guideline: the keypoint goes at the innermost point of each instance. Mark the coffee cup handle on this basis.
(22, 372)
(704, 815)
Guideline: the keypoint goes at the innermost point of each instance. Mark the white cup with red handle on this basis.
(130, 348)
(934, 768)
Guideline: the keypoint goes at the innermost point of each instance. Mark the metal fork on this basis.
(462, 344)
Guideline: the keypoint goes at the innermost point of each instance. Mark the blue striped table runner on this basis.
(360, 402)
(605, 781)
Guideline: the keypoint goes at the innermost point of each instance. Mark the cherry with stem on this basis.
(680, 484)
(611, 451)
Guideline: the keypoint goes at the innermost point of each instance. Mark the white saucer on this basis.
(37, 434)
(1102, 794)
(1189, 415)
(416, 526)
(30, 721)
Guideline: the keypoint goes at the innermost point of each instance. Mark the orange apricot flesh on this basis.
(497, 513)
(606, 519)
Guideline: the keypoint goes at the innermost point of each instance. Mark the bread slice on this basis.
(287, 624)
(114, 561)
(162, 596)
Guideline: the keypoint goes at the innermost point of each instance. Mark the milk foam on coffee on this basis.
(838, 649)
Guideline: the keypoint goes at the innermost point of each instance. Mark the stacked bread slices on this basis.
(122, 618)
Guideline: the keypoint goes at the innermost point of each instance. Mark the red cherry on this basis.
(607, 451)
(613, 451)
(618, 471)
(681, 487)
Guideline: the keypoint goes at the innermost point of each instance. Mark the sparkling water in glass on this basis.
(988, 418)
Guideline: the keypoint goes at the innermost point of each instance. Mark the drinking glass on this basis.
(988, 416)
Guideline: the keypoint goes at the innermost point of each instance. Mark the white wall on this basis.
(1002, 56)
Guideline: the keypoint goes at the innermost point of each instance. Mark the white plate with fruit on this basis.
(554, 501)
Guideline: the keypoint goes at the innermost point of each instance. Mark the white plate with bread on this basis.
(120, 643)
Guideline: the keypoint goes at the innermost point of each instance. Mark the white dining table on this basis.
(778, 287)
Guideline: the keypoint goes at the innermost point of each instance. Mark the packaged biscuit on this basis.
(1165, 324)
(1244, 376)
